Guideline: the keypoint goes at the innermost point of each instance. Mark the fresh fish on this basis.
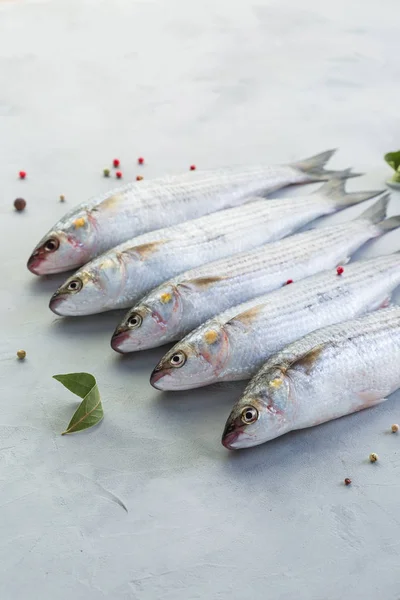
(329, 373)
(121, 276)
(179, 305)
(104, 221)
(236, 343)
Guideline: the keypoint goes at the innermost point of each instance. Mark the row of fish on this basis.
(215, 277)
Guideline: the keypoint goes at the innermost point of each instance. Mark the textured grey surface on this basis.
(211, 83)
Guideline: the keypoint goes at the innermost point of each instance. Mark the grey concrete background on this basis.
(210, 83)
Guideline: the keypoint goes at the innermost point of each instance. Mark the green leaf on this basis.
(90, 410)
(393, 159)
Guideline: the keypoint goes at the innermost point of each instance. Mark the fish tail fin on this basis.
(313, 167)
(335, 190)
(377, 212)
(390, 224)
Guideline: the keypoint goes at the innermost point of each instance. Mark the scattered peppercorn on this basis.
(140, 160)
(22, 174)
(289, 281)
(192, 167)
(139, 177)
(340, 270)
(21, 354)
(395, 428)
(106, 172)
(19, 204)
(62, 198)
(373, 457)
(116, 162)
(347, 481)
(118, 174)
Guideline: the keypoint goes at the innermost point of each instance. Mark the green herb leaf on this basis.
(90, 410)
(393, 159)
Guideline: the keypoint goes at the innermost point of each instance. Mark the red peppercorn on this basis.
(140, 160)
(22, 174)
(118, 174)
(289, 281)
(139, 177)
(347, 481)
(340, 270)
(19, 204)
(192, 167)
(116, 162)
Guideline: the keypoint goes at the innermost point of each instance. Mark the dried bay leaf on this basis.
(90, 410)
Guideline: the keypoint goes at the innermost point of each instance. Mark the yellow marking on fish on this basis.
(79, 222)
(211, 336)
(166, 297)
(276, 383)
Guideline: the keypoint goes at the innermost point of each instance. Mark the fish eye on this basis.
(178, 359)
(135, 321)
(51, 245)
(249, 415)
(75, 285)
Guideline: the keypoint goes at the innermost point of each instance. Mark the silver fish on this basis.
(121, 276)
(236, 343)
(95, 226)
(329, 373)
(179, 305)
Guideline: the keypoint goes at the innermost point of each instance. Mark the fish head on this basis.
(262, 413)
(153, 322)
(81, 294)
(195, 361)
(69, 245)
(93, 289)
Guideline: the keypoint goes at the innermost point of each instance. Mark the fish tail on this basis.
(377, 212)
(390, 224)
(335, 190)
(313, 167)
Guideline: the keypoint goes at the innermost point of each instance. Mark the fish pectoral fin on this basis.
(370, 398)
(109, 203)
(200, 283)
(143, 250)
(306, 361)
(247, 317)
(381, 303)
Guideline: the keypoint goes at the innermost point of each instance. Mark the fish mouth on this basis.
(229, 440)
(35, 261)
(118, 339)
(157, 376)
(232, 432)
(55, 302)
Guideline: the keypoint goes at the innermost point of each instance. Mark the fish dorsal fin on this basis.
(200, 283)
(144, 250)
(247, 317)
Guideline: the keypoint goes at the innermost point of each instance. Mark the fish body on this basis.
(121, 276)
(329, 373)
(179, 305)
(236, 343)
(105, 221)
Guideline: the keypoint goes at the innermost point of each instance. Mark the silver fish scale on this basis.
(293, 311)
(256, 329)
(182, 188)
(278, 257)
(210, 289)
(358, 367)
(124, 274)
